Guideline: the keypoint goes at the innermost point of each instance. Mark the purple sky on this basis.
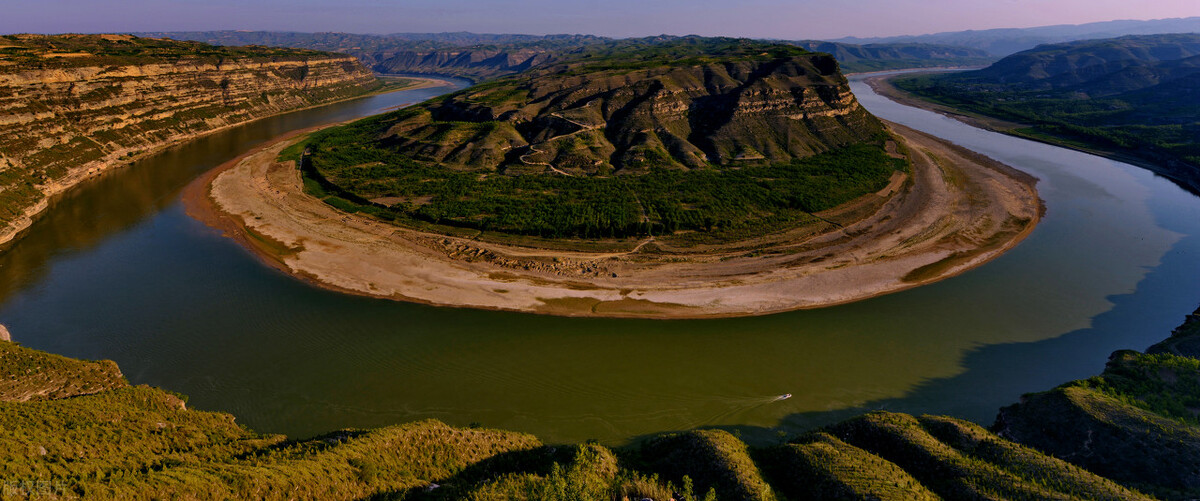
(754, 18)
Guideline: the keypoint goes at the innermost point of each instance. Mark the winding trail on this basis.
(533, 148)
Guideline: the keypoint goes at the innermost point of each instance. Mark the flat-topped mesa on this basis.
(745, 103)
(72, 106)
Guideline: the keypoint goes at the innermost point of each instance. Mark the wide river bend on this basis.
(117, 270)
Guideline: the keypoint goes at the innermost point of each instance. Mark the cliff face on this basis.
(73, 106)
(588, 117)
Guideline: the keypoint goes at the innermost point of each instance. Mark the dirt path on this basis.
(958, 210)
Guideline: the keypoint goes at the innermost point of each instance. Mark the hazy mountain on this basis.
(1137, 95)
(884, 56)
(1005, 41)
(485, 56)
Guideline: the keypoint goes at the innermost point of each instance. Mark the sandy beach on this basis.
(956, 211)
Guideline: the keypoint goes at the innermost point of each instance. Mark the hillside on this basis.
(1004, 41)
(73, 106)
(1137, 96)
(482, 57)
(1124, 435)
(467, 55)
(620, 143)
(890, 56)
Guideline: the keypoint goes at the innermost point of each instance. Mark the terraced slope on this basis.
(72, 106)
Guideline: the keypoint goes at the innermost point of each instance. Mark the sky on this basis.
(795, 19)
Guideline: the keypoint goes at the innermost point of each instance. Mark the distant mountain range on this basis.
(1136, 95)
(485, 56)
(1005, 41)
(884, 56)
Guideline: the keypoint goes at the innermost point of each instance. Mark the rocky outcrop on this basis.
(587, 117)
(74, 106)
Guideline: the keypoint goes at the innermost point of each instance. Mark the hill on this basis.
(481, 57)
(74, 106)
(1137, 96)
(695, 134)
(467, 55)
(1127, 434)
(1004, 41)
(890, 56)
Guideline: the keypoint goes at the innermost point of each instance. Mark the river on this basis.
(118, 271)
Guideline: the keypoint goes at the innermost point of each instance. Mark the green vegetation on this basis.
(1142, 402)
(660, 201)
(63, 51)
(34, 375)
(553, 155)
(76, 428)
(820, 466)
(1131, 95)
(717, 460)
(959, 460)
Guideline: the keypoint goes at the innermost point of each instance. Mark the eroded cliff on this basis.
(73, 106)
(628, 114)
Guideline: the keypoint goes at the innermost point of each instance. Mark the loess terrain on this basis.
(719, 136)
(73, 106)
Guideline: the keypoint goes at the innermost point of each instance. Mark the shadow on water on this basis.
(990, 370)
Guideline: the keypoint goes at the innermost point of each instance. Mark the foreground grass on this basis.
(72, 428)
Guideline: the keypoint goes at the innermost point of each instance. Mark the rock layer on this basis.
(73, 106)
(592, 117)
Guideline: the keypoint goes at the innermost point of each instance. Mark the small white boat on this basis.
(785, 396)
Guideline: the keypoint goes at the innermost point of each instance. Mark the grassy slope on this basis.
(132, 441)
(1133, 427)
(33, 375)
(1142, 402)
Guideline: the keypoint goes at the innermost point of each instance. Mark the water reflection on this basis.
(181, 307)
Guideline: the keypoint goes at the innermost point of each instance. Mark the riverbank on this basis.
(957, 211)
(120, 159)
(882, 84)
